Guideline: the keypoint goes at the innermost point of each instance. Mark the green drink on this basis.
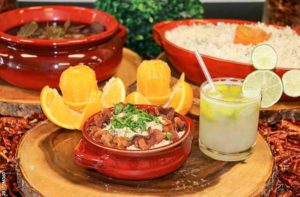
(228, 120)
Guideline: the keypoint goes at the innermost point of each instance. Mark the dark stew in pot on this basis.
(56, 30)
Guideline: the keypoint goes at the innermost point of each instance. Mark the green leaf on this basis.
(130, 107)
(28, 29)
(169, 135)
(134, 118)
(139, 16)
(118, 108)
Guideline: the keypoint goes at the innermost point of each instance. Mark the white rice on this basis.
(218, 41)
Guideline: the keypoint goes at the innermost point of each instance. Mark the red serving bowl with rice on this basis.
(185, 61)
(134, 164)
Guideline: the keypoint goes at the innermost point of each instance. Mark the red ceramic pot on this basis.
(134, 164)
(185, 61)
(34, 63)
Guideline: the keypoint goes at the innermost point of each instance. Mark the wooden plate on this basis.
(45, 168)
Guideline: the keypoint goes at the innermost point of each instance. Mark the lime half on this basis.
(264, 57)
(265, 81)
(291, 83)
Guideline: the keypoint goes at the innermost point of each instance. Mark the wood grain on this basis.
(45, 168)
(15, 101)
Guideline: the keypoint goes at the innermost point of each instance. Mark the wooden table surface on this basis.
(255, 172)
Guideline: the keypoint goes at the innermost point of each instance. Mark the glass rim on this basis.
(251, 99)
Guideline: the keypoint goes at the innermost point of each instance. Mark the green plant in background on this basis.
(140, 15)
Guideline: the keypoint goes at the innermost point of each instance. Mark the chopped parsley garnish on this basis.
(118, 108)
(169, 135)
(131, 117)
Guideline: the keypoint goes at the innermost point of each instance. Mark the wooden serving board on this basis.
(45, 168)
(15, 101)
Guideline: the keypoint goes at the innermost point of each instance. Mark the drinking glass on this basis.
(228, 120)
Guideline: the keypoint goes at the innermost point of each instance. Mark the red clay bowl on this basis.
(34, 63)
(185, 61)
(134, 164)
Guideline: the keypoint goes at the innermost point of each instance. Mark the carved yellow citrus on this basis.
(76, 84)
(153, 81)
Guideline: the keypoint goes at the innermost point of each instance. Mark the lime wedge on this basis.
(264, 57)
(268, 82)
(291, 83)
(207, 110)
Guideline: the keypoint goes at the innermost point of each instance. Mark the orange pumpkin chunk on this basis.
(250, 35)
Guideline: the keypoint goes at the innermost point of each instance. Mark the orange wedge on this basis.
(93, 106)
(136, 98)
(113, 92)
(181, 98)
(57, 111)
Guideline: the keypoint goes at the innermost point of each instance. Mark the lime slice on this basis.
(268, 82)
(207, 110)
(264, 57)
(291, 83)
(228, 95)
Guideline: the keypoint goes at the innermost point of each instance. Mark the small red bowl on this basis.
(134, 164)
(34, 63)
(185, 61)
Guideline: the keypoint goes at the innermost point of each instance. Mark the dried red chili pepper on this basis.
(11, 131)
(284, 140)
(284, 143)
(282, 12)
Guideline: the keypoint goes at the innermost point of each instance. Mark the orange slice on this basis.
(136, 98)
(181, 98)
(113, 92)
(93, 106)
(57, 111)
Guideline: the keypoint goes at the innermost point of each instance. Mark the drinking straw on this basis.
(205, 71)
